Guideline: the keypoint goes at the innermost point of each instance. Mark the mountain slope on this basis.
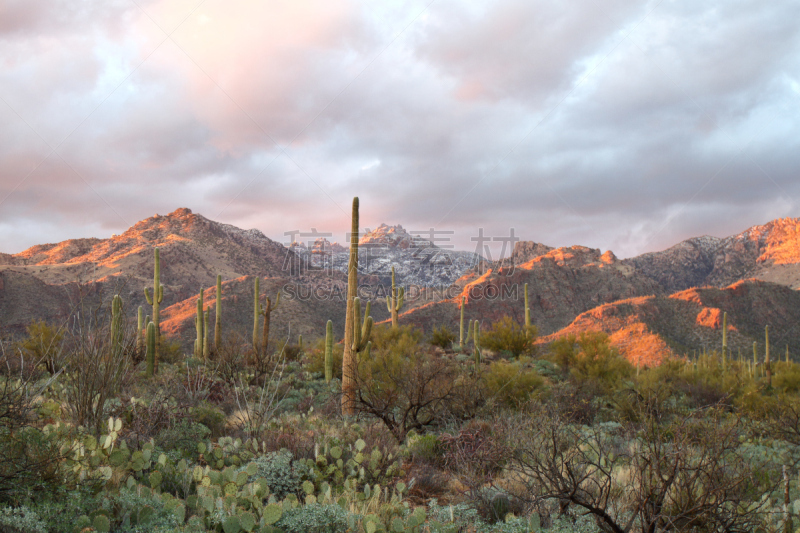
(649, 329)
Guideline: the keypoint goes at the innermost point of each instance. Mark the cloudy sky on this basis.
(616, 124)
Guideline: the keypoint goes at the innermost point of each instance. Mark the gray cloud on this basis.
(615, 125)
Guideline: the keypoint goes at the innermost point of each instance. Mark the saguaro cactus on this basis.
(255, 315)
(329, 351)
(218, 317)
(206, 347)
(151, 349)
(394, 302)
(266, 312)
(155, 301)
(755, 357)
(198, 324)
(349, 364)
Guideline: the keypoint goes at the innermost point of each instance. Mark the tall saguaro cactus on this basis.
(198, 325)
(218, 317)
(329, 351)
(150, 356)
(155, 301)
(116, 326)
(394, 301)
(349, 363)
(206, 348)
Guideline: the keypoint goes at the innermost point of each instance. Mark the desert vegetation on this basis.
(106, 425)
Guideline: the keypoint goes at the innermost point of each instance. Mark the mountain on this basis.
(563, 282)
(770, 252)
(417, 261)
(193, 251)
(649, 329)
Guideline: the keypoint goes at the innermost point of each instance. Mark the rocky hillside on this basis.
(563, 283)
(648, 329)
(770, 252)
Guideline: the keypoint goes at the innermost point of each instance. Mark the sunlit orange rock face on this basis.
(648, 330)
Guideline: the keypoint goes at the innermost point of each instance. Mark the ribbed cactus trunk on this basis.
(349, 358)
(150, 356)
(116, 327)
(218, 317)
(755, 357)
(329, 351)
(206, 347)
(155, 301)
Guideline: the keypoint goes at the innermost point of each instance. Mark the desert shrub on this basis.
(182, 436)
(21, 520)
(425, 448)
(786, 377)
(211, 417)
(507, 335)
(590, 357)
(407, 391)
(284, 475)
(402, 340)
(442, 337)
(511, 384)
(315, 358)
(44, 346)
(314, 518)
(170, 351)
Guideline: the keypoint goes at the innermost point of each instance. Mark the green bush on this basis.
(507, 335)
(442, 337)
(211, 417)
(403, 340)
(21, 520)
(182, 436)
(424, 447)
(284, 475)
(590, 357)
(786, 377)
(512, 384)
(314, 518)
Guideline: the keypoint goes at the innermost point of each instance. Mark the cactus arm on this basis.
(401, 296)
(356, 323)
(388, 303)
(147, 296)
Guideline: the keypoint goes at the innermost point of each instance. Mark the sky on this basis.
(615, 124)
